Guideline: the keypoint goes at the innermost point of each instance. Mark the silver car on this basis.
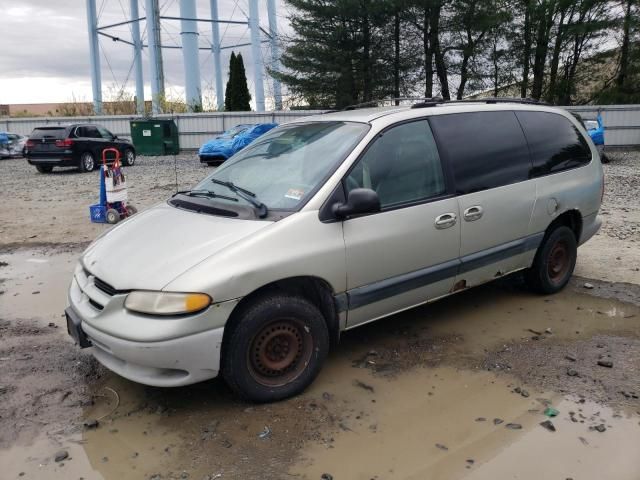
(328, 223)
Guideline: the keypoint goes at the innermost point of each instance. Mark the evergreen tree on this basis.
(242, 95)
(237, 96)
(229, 93)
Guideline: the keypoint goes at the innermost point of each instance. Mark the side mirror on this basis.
(360, 200)
(115, 137)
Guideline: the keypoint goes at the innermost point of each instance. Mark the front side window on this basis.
(555, 143)
(284, 167)
(104, 133)
(401, 166)
(485, 149)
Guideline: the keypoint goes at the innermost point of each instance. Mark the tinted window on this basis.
(52, 132)
(91, 132)
(104, 133)
(485, 149)
(555, 143)
(402, 166)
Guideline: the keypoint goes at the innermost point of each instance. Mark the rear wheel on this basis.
(113, 216)
(129, 157)
(87, 162)
(276, 349)
(44, 168)
(554, 262)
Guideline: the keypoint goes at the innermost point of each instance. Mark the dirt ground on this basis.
(456, 389)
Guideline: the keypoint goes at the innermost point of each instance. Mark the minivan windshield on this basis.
(283, 168)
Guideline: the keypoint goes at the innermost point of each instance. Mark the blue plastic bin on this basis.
(98, 213)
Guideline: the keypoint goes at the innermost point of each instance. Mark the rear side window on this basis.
(485, 149)
(555, 143)
(51, 132)
(402, 166)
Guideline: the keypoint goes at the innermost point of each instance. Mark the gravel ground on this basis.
(54, 208)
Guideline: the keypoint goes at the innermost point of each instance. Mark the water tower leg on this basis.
(94, 52)
(189, 34)
(137, 57)
(256, 53)
(215, 48)
(275, 52)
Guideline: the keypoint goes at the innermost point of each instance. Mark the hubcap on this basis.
(280, 352)
(558, 261)
(88, 162)
(130, 158)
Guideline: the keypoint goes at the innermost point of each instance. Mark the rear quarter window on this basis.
(555, 143)
(485, 149)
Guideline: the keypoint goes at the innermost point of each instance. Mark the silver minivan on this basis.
(330, 222)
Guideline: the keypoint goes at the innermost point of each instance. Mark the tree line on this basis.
(346, 52)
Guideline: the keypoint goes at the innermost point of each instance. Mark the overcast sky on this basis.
(44, 48)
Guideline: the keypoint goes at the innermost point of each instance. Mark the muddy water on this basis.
(389, 393)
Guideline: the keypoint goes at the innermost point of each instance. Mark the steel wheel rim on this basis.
(87, 160)
(130, 157)
(558, 261)
(280, 352)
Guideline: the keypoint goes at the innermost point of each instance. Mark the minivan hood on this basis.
(153, 247)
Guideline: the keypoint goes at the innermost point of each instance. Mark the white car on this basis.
(330, 222)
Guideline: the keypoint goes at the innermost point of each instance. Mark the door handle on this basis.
(473, 213)
(445, 220)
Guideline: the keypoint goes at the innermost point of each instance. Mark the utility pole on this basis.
(215, 49)
(155, 55)
(256, 53)
(189, 34)
(94, 52)
(275, 52)
(137, 57)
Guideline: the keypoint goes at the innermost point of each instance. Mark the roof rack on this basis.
(489, 100)
(388, 101)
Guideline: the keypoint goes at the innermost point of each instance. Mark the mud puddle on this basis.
(35, 283)
(445, 423)
(389, 393)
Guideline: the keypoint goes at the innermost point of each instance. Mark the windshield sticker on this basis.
(294, 193)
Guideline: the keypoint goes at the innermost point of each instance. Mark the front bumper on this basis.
(212, 157)
(156, 351)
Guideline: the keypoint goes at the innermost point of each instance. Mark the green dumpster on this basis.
(155, 137)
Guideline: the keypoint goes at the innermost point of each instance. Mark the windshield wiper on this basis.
(246, 194)
(203, 194)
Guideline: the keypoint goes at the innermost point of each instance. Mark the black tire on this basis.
(44, 168)
(604, 158)
(113, 216)
(275, 348)
(554, 262)
(87, 162)
(129, 158)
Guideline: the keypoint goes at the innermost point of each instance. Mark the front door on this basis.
(490, 161)
(407, 253)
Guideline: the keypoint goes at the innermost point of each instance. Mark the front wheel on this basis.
(276, 349)
(554, 262)
(129, 157)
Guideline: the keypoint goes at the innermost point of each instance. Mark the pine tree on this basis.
(242, 95)
(229, 92)
(237, 96)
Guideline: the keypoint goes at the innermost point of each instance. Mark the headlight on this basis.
(166, 303)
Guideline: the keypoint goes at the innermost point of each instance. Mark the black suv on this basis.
(75, 146)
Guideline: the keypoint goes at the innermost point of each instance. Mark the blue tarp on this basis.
(234, 140)
(597, 134)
